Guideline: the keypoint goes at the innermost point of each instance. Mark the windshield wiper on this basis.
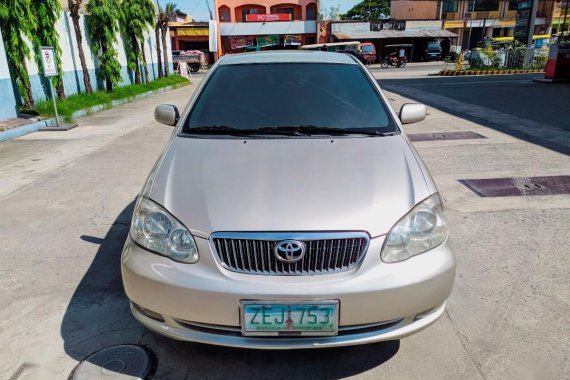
(225, 130)
(316, 130)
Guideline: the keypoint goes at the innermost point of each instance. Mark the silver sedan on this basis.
(288, 210)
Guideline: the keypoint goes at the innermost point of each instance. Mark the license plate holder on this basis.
(289, 318)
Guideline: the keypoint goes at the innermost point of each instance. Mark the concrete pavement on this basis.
(65, 213)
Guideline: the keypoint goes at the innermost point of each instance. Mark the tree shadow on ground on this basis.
(98, 316)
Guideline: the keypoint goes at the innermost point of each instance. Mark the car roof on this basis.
(286, 57)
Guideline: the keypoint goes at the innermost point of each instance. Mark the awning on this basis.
(267, 28)
(384, 34)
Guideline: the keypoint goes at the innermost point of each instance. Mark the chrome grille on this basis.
(253, 253)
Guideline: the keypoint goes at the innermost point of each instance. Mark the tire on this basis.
(384, 64)
(195, 69)
(402, 64)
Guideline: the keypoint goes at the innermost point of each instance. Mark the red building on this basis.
(268, 25)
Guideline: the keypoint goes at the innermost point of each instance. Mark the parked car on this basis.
(432, 51)
(288, 210)
(357, 54)
(368, 51)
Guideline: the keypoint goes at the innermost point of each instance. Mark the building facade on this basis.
(265, 25)
(473, 20)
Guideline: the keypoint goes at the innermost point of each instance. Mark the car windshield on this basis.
(433, 45)
(367, 48)
(248, 97)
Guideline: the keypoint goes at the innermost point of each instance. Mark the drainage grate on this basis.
(445, 136)
(522, 186)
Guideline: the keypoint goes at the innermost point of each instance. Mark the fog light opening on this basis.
(423, 314)
(148, 313)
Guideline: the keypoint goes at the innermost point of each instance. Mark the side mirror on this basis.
(412, 113)
(166, 114)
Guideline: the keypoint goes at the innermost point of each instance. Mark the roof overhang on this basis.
(385, 34)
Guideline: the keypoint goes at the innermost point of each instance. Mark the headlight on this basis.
(155, 229)
(422, 229)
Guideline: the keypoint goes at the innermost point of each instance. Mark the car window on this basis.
(367, 48)
(252, 96)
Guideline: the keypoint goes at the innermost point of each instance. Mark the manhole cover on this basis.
(116, 362)
(521, 186)
(444, 136)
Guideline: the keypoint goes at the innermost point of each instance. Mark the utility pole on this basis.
(470, 23)
(209, 9)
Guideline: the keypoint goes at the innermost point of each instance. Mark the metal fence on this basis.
(513, 58)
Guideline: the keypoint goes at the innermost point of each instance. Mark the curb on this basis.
(23, 130)
(26, 129)
(487, 72)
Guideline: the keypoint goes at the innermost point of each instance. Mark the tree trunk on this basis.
(59, 89)
(28, 97)
(145, 67)
(165, 51)
(135, 47)
(158, 51)
(79, 39)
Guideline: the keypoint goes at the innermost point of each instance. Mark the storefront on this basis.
(272, 34)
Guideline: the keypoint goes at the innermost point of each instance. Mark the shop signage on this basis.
(292, 40)
(376, 26)
(268, 17)
(350, 27)
(241, 42)
(423, 25)
(192, 31)
(453, 24)
(525, 21)
(268, 41)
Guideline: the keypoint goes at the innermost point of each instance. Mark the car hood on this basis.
(289, 184)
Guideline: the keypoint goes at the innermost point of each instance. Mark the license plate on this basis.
(281, 318)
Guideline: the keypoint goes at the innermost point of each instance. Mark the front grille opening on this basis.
(257, 256)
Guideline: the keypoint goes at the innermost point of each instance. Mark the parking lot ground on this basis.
(66, 199)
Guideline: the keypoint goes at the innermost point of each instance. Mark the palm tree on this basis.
(17, 23)
(164, 16)
(136, 17)
(48, 12)
(102, 29)
(74, 8)
(157, 41)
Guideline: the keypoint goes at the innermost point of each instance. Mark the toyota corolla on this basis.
(288, 210)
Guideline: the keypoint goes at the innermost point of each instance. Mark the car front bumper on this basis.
(201, 302)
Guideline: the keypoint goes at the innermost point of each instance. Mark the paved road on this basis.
(66, 201)
(511, 100)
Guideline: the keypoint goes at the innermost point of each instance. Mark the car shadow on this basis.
(98, 316)
(513, 96)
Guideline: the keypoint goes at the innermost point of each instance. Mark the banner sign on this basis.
(268, 41)
(241, 42)
(48, 61)
(213, 36)
(376, 26)
(292, 40)
(525, 21)
(268, 17)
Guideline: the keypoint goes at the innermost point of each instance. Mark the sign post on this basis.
(50, 70)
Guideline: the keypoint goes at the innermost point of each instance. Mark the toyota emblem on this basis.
(289, 251)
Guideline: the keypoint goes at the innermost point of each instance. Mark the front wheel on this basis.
(402, 64)
(384, 64)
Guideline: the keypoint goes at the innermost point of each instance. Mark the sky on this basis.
(199, 11)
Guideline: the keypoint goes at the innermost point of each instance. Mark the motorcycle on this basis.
(397, 62)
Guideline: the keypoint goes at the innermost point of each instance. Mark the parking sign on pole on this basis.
(50, 70)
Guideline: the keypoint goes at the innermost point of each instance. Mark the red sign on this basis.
(268, 17)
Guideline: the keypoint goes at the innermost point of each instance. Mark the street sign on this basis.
(50, 70)
(48, 61)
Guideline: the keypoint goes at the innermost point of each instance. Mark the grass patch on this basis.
(78, 102)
